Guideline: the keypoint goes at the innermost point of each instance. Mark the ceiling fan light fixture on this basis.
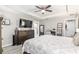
(42, 11)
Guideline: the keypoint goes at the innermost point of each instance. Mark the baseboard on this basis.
(7, 45)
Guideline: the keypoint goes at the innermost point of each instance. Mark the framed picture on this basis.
(6, 22)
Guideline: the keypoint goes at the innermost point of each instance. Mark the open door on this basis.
(1, 18)
(41, 30)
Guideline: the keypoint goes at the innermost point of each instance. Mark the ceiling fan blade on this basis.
(38, 7)
(48, 6)
(49, 10)
(37, 10)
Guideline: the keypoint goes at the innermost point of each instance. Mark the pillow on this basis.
(76, 39)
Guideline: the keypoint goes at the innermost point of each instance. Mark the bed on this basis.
(49, 44)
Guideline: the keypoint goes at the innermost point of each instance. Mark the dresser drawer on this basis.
(24, 35)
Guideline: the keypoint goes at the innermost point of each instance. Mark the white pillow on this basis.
(76, 39)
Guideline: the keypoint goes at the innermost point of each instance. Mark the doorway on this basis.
(36, 28)
(70, 28)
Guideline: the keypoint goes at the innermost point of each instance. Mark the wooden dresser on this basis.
(22, 35)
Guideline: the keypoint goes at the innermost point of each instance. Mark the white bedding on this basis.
(49, 44)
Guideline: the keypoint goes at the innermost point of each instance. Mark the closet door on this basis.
(36, 28)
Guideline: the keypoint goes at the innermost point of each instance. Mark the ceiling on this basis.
(29, 9)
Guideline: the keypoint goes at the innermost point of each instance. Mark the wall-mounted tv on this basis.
(25, 23)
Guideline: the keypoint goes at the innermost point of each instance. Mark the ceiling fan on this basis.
(43, 8)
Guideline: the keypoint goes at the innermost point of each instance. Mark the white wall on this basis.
(8, 30)
(51, 23)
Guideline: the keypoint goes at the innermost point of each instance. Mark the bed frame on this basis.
(26, 52)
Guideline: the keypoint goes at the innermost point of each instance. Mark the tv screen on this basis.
(25, 23)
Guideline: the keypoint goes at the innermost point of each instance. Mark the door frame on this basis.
(1, 50)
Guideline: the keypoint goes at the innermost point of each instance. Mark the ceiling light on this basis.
(43, 11)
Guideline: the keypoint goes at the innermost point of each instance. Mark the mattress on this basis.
(48, 44)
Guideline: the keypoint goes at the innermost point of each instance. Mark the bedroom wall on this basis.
(8, 30)
(51, 23)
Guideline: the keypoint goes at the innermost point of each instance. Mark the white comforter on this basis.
(49, 44)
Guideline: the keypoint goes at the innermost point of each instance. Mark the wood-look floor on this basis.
(13, 50)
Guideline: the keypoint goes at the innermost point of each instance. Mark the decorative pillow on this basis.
(76, 39)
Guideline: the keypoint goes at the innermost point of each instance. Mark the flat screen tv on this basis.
(25, 23)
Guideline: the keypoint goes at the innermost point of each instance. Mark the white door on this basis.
(70, 28)
(36, 29)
